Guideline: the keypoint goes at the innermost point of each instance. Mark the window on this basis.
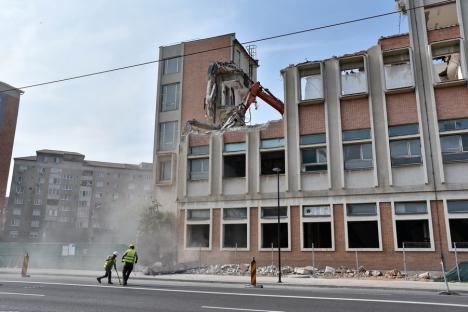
(66, 197)
(16, 211)
(269, 227)
(33, 235)
(165, 170)
(454, 147)
(453, 124)
(405, 152)
(235, 228)
(353, 76)
(200, 150)
(234, 147)
(13, 234)
(457, 217)
(397, 69)
(19, 189)
(314, 159)
(412, 225)
(312, 139)
(272, 212)
(311, 83)
(401, 130)
(234, 166)
(15, 222)
(36, 212)
(199, 168)
(19, 179)
(99, 195)
(99, 183)
(369, 209)
(198, 225)
(172, 65)
(271, 160)
(67, 187)
(35, 223)
(446, 61)
(167, 135)
(358, 156)
(363, 234)
(272, 143)
(115, 196)
(19, 200)
(359, 134)
(317, 227)
(170, 97)
(22, 168)
(37, 202)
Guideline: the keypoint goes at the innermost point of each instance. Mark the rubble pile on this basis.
(308, 271)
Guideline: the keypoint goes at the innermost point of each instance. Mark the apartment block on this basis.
(9, 105)
(372, 151)
(58, 196)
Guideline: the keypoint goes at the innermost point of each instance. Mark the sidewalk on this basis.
(265, 280)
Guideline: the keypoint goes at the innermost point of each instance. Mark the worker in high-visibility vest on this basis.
(108, 265)
(129, 258)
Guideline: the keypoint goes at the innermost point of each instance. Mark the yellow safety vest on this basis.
(110, 261)
(129, 256)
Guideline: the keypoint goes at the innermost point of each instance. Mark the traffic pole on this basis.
(24, 269)
(253, 275)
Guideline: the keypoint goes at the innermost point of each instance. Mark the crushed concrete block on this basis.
(330, 270)
(424, 275)
(362, 269)
(376, 273)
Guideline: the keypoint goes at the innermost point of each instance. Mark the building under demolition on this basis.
(58, 196)
(373, 152)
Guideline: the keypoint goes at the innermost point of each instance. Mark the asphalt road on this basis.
(46, 293)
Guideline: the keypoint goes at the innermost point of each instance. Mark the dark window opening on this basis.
(235, 235)
(459, 232)
(270, 235)
(414, 233)
(234, 166)
(270, 160)
(363, 234)
(317, 233)
(198, 235)
(272, 212)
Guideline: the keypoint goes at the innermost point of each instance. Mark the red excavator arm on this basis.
(257, 90)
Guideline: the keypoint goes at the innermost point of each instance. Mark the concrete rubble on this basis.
(298, 272)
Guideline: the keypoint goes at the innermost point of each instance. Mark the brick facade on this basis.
(452, 102)
(395, 42)
(199, 140)
(275, 129)
(312, 119)
(234, 136)
(401, 108)
(355, 114)
(435, 35)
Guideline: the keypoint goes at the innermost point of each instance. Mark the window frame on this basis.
(460, 135)
(234, 221)
(398, 52)
(375, 218)
(317, 219)
(413, 217)
(353, 60)
(271, 150)
(408, 149)
(167, 60)
(198, 222)
(189, 167)
(274, 220)
(229, 154)
(316, 147)
(361, 143)
(449, 216)
(447, 44)
(163, 146)
(309, 67)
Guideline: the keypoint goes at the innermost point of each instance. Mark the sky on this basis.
(110, 117)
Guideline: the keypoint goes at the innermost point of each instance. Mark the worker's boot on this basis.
(99, 280)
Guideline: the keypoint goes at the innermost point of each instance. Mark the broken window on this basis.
(454, 147)
(172, 65)
(198, 214)
(316, 211)
(170, 97)
(402, 130)
(441, 16)
(311, 83)
(168, 133)
(314, 159)
(353, 76)
(453, 124)
(405, 152)
(199, 168)
(313, 139)
(235, 224)
(358, 134)
(234, 147)
(272, 143)
(446, 61)
(317, 234)
(165, 170)
(198, 235)
(270, 235)
(397, 69)
(413, 234)
(358, 156)
(363, 234)
(234, 166)
(272, 212)
(458, 223)
(271, 160)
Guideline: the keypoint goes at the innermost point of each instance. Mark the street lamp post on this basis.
(278, 239)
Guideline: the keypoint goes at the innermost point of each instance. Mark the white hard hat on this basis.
(115, 253)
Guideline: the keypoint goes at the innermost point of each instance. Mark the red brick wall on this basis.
(443, 34)
(355, 114)
(394, 42)
(312, 119)
(234, 136)
(195, 71)
(7, 137)
(452, 102)
(199, 140)
(386, 259)
(275, 129)
(401, 108)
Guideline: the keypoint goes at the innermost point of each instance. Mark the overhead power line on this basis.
(219, 48)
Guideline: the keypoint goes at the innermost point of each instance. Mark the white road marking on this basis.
(253, 294)
(20, 294)
(238, 309)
